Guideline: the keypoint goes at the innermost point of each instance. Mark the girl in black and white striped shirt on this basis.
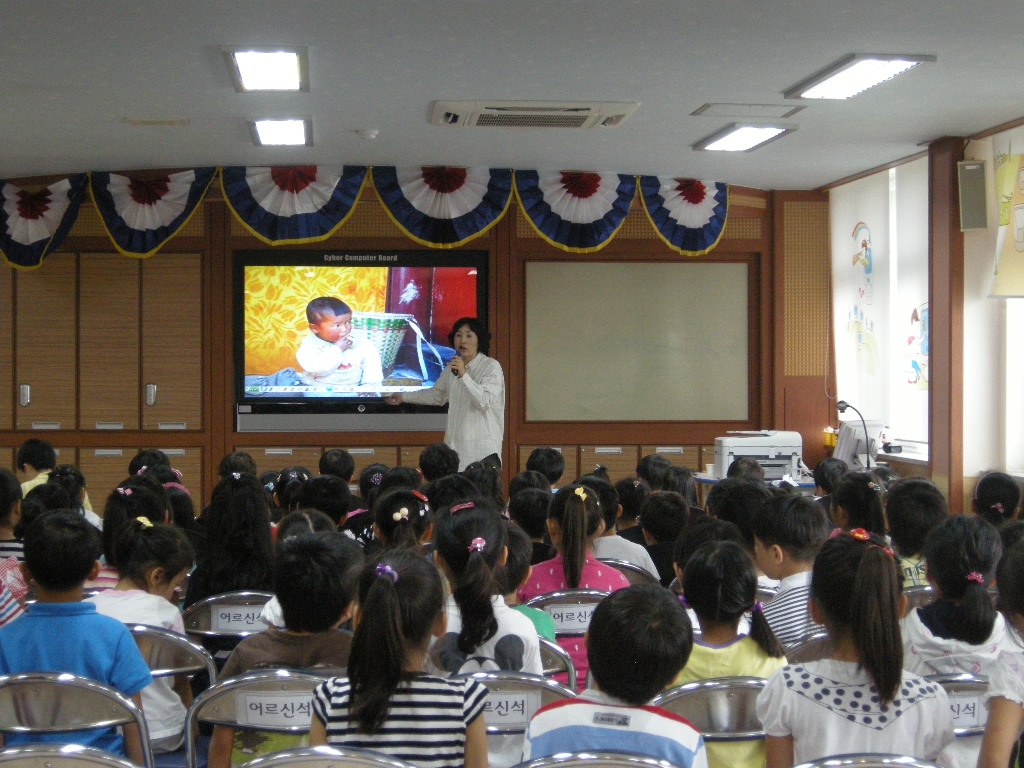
(387, 703)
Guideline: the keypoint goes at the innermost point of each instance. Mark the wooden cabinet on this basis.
(569, 452)
(277, 458)
(619, 460)
(105, 468)
(409, 455)
(681, 455)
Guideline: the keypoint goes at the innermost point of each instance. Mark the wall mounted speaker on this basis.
(971, 181)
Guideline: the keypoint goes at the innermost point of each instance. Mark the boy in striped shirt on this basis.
(638, 640)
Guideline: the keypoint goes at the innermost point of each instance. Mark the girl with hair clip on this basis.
(996, 498)
(633, 492)
(71, 480)
(401, 520)
(483, 633)
(133, 498)
(359, 522)
(155, 562)
(575, 519)
(388, 703)
(859, 699)
(857, 503)
(287, 486)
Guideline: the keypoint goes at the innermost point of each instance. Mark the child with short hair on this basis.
(515, 573)
(914, 506)
(609, 545)
(788, 532)
(328, 494)
(859, 699)
(549, 462)
(662, 518)
(827, 474)
(330, 355)
(339, 463)
(388, 703)
(60, 633)
(529, 508)
(438, 460)
(639, 638)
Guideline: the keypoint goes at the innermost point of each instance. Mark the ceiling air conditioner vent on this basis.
(532, 114)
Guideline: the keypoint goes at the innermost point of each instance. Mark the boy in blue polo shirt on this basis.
(60, 633)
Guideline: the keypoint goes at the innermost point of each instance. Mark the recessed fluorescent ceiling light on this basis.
(264, 69)
(742, 138)
(854, 74)
(290, 132)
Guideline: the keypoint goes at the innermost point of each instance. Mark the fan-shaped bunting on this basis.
(301, 204)
(575, 211)
(441, 206)
(688, 214)
(141, 214)
(33, 224)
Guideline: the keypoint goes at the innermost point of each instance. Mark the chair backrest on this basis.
(966, 694)
(809, 648)
(60, 756)
(167, 653)
(766, 594)
(51, 702)
(229, 614)
(327, 757)
(279, 701)
(868, 760)
(597, 760)
(514, 697)
(722, 708)
(570, 609)
(634, 573)
(556, 660)
(918, 597)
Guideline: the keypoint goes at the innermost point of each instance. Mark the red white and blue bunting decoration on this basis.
(141, 214)
(442, 206)
(33, 224)
(688, 214)
(575, 211)
(301, 204)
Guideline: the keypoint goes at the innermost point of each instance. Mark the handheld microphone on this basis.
(452, 369)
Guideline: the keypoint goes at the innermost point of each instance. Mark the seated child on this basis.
(662, 518)
(330, 355)
(549, 462)
(827, 474)
(997, 497)
(314, 582)
(609, 545)
(514, 573)
(737, 499)
(914, 506)
(529, 509)
(638, 640)
(633, 492)
(788, 532)
(60, 633)
(857, 503)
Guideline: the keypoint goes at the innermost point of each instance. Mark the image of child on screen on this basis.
(331, 355)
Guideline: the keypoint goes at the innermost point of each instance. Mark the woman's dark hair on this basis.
(861, 498)
(10, 495)
(287, 486)
(71, 480)
(857, 585)
(400, 600)
(402, 515)
(488, 480)
(304, 521)
(483, 336)
(141, 546)
(471, 540)
(239, 549)
(370, 479)
(633, 492)
(577, 512)
(962, 554)
(131, 499)
(996, 497)
(720, 584)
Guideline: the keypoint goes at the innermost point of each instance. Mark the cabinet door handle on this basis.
(24, 395)
(151, 394)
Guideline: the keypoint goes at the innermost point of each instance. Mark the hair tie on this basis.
(459, 507)
(180, 487)
(376, 477)
(383, 570)
(580, 492)
(421, 496)
(860, 534)
(145, 522)
(998, 507)
(758, 607)
(177, 473)
(976, 577)
(682, 602)
(402, 514)
(142, 469)
(477, 545)
(236, 475)
(124, 491)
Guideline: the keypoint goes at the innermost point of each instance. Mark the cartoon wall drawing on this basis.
(918, 347)
(863, 258)
(860, 326)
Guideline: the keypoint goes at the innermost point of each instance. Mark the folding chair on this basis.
(766, 594)
(597, 760)
(722, 708)
(229, 614)
(967, 695)
(868, 761)
(570, 609)
(169, 654)
(326, 757)
(513, 698)
(53, 703)
(918, 597)
(556, 661)
(633, 572)
(809, 648)
(278, 701)
(60, 756)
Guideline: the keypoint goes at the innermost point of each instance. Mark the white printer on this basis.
(778, 452)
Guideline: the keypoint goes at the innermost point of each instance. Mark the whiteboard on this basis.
(627, 341)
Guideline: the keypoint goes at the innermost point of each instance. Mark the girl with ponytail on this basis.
(483, 633)
(575, 519)
(850, 702)
(388, 703)
(401, 519)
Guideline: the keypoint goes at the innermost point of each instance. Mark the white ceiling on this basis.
(71, 72)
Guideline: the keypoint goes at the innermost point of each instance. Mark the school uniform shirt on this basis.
(163, 708)
(617, 548)
(326, 364)
(595, 721)
(788, 613)
(476, 408)
(425, 725)
(831, 707)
